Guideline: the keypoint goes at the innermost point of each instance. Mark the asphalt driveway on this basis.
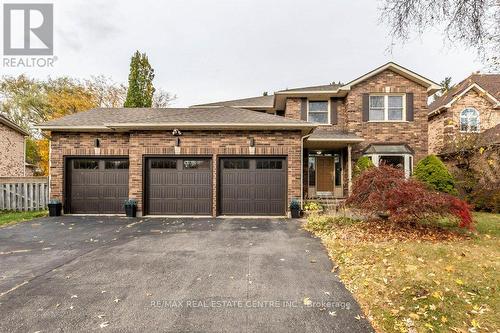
(193, 275)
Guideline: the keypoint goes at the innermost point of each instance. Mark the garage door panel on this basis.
(253, 186)
(97, 186)
(179, 186)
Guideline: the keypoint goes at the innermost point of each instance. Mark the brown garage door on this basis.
(179, 186)
(97, 186)
(253, 186)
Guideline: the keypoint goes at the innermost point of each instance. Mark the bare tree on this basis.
(473, 23)
(162, 98)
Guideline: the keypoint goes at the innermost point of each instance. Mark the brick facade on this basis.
(11, 152)
(413, 133)
(207, 143)
(444, 127)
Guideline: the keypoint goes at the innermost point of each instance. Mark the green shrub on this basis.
(312, 206)
(323, 223)
(363, 163)
(432, 171)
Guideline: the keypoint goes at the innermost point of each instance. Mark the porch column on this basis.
(349, 169)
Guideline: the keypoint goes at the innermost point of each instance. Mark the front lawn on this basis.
(9, 217)
(419, 279)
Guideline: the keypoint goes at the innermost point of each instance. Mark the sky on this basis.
(212, 50)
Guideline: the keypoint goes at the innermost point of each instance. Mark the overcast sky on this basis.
(208, 50)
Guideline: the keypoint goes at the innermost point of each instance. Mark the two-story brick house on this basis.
(470, 107)
(249, 156)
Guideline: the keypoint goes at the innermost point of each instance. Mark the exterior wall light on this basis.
(252, 146)
(177, 148)
(97, 146)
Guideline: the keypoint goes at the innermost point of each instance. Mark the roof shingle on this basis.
(165, 116)
(489, 82)
(259, 101)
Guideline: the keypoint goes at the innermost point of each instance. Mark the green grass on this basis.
(423, 285)
(10, 217)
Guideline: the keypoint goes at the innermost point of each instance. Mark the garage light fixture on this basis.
(251, 143)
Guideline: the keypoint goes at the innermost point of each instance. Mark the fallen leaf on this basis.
(102, 325)
(332, 313)
(307, 301)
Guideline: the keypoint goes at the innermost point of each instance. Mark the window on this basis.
(386, 108)
(318, 112)
(116, 164)
(164, 164)
(393, 161)
(469, 120)
(86, 164)
(338, 169)
(237, 164)
(269, 164)
(196, 164)
(400, 161)
(312, 171)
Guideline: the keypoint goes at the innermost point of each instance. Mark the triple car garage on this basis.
(179, 185)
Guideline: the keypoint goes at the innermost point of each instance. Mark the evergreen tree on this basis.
(140, 82)
(432, 171)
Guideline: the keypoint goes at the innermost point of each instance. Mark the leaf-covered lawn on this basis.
(420, 282)
(8, 217)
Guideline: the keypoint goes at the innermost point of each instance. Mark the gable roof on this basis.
(107, 119)
(431, 86)
(252, 102)
(488, 84)
(9, 123)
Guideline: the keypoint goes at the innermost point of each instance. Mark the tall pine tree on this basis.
(140, 82)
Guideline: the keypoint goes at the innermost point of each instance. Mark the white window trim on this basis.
(386, 108)
(328, 111)
(408, 161)
(478, 120)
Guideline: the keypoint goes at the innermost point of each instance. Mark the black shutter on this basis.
(409, 107)
(366, 107)
(334, 106)
(303, 108)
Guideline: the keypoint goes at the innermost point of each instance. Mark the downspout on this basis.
(302, 170)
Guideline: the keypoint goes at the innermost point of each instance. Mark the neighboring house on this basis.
(244, 157)
(472, 106)
(12, 149)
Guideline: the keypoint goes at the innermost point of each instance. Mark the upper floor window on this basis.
(469, 120)
(386, 108)
(318, 112)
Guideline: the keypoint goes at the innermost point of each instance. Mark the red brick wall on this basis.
(137, 144)
(292, 108)
(413, 133)
(11, 152)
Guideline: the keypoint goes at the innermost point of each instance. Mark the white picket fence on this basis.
(24, 193)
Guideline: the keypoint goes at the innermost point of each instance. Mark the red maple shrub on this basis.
(385, 190)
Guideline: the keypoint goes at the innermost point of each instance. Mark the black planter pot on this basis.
(131, 210)
(295, 213)
(55, 209)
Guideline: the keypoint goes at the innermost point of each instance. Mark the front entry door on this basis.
(324, 170)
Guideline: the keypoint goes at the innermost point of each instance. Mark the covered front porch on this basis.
(328, 165)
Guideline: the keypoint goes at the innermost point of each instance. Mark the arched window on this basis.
(469, 120)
